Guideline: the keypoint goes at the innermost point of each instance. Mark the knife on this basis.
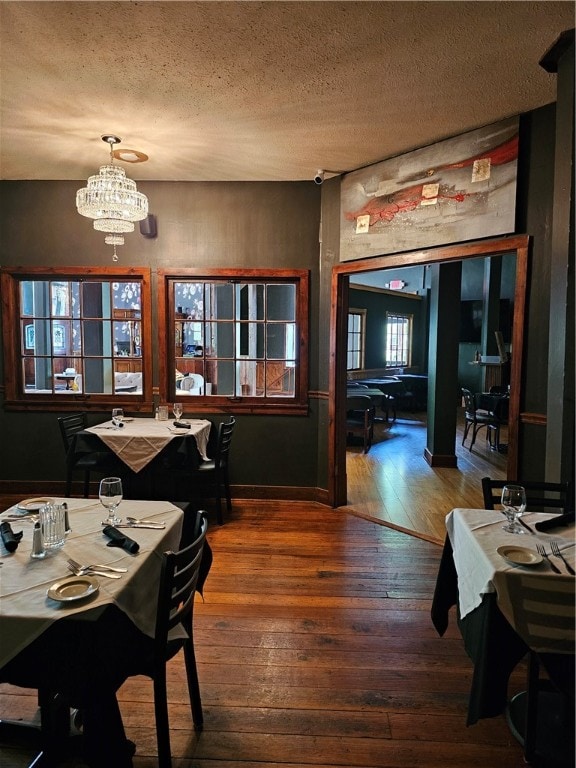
(155, 526)
(526, 526)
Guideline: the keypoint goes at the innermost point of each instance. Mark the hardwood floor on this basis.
(315, 647)
(393, 484)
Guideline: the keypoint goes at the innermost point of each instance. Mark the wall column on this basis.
(560, 400)
(443, 396)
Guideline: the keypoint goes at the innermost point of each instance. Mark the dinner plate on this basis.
(128, 418)
(27, 506)
(179, 431)
(519, 555)
(73, 588)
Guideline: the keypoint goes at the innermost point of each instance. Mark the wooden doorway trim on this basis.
(516, 244)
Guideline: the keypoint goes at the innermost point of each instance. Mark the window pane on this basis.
(281, 302)
(249, 301)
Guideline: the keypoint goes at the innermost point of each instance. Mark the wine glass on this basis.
(177, 410)
(117, 416)
(110, 494)
(514, 503)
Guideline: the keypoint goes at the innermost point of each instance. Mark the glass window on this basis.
(76, 336)
(398, 340)
(356, 339)
(238, 338)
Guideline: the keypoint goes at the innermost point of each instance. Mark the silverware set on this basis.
(98, 570)
(557, 553)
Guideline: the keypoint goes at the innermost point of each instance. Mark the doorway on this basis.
(517, 245)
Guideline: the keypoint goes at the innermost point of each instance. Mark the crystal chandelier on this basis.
(112, 200)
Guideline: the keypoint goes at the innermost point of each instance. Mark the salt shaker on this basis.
(38, 550)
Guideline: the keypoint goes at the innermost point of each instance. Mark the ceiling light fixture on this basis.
(112, 200)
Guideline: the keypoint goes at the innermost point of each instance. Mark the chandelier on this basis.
(112, 200)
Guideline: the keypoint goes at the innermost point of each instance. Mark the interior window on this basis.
(237, 339)
(76, 336)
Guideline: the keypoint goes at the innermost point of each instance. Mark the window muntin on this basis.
(398, 340)
(356, 339)
(238, 338)
(75, 335)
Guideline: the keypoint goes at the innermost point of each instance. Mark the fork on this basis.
(93, 572)
(80, 567)
(556, 551)
(542, 551)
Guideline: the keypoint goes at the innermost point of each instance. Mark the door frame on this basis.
(515, 244)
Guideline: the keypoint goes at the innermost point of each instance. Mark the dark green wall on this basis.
(199, 225)
(376, 304)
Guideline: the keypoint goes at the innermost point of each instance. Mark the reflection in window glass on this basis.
(235, 338)
(81, 336)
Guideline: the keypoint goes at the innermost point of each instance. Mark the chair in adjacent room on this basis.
(214, 473)
(181, 576)
(360, 419)
(474, 418)
(85, 461)
(540, 496)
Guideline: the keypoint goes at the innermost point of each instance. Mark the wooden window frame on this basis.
(15, 396)
(410, 319)
(293, 405)
(362, 313)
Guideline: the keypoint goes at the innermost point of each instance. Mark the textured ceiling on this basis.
(215, 91)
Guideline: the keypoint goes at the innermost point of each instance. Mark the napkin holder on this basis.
(10, 539)
(118, 539)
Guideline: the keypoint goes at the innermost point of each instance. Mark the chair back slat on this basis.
(540, 496)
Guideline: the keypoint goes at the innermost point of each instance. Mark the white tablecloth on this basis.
(140, 440)
(537, 602)
(26, 610)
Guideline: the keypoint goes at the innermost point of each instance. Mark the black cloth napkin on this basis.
(10, 539)
(120, 540)
(181, 424)
(558, 521)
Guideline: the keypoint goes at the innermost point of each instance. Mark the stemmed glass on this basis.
(110, 494)
(514, 503)
(177, 410)
(117, 417)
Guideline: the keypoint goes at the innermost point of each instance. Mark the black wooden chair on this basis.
(181, 576)
(85, 461)
(474, 418)
(214, 473)
(360, 419)
(540, 496)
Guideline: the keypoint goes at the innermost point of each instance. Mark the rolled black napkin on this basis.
(119, 540)
(10, 539)
(558, 521)
(181, 424)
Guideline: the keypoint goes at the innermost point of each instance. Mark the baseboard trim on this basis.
(29, 488)
(440, 460)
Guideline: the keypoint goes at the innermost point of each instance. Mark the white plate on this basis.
(519, 555)
(73, 588)
(128, 418)
(179, 431)
(27, 506)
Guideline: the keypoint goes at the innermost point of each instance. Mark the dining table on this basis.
(41, 598)
(512, 602)
(148, 447)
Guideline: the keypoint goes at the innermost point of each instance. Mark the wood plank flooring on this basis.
(315, 648)
(394, 485)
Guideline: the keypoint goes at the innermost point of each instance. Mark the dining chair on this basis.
(179, 580)
(85, 461)
(551, 497)
(214, 472)
(360, 419)
(474, 418)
